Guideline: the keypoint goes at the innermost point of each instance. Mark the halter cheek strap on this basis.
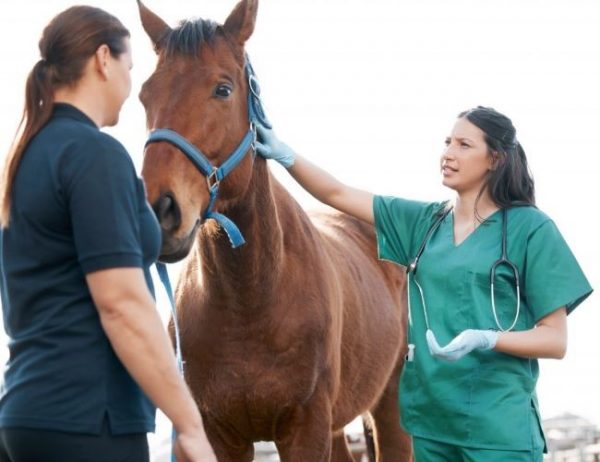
(214, 175)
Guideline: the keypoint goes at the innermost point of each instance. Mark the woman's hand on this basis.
(193, 447)
(462, 344)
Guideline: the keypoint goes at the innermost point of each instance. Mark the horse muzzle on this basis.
(175, 246)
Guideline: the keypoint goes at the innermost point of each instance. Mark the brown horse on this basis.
(292, 335)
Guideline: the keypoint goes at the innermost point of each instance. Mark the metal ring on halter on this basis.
(254, 85)
(212, 180)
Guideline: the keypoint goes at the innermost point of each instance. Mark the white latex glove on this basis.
(270, 147)
(465, 342)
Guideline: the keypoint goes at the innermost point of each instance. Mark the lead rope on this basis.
(163, 274)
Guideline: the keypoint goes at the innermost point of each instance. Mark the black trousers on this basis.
(31, 445)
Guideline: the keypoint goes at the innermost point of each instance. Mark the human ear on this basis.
(496, 160)
(101, 60)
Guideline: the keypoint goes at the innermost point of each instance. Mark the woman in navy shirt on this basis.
(88, 353)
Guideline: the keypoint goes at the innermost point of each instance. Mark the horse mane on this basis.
(188, 37)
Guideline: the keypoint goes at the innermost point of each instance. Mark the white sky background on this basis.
(369, 89)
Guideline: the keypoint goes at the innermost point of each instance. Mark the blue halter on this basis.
(214, 175)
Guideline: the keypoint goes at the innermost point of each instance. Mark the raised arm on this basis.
(316, 181)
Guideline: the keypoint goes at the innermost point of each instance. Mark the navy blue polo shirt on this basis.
(78, 206)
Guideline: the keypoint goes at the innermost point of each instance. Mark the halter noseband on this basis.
(214, 175)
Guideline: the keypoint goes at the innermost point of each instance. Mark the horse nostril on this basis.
(168, 213)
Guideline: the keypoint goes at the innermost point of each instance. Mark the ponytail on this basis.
(39, 97)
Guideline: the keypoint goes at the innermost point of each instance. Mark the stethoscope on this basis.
(411, 269)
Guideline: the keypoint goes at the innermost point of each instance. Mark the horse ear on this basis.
(154, 26)
(240, 23)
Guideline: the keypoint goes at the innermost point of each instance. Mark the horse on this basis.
(290, 336)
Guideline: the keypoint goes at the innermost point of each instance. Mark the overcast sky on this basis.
(369, 89)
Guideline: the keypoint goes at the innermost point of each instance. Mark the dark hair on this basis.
(510, 183)
(67, 43)
(189, 36)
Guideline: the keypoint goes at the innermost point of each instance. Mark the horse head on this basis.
(197, 104)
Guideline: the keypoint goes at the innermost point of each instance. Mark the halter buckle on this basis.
(212, 180)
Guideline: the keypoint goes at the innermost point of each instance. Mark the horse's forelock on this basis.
(188, 37)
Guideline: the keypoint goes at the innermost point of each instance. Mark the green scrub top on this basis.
(485, 399)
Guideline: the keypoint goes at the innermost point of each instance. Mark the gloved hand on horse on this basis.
(465, 342)
(270, 147)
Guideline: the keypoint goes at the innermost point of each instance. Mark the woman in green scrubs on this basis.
(474, 398)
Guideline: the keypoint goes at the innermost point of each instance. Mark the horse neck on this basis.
(249, 274)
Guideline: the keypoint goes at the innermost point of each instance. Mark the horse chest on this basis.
(267, 378)
(253, 379)
(255, 400)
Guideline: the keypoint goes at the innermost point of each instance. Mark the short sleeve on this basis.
(100, 185)
(399, 224)
(553, 277)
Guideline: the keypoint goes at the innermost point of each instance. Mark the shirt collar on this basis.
(70, 111)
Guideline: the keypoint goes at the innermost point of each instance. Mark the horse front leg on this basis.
(307, 434)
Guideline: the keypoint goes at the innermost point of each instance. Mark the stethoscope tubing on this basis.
(503, 260)
(411, 270)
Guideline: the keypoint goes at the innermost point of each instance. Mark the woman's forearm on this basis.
(136, 333)
(547, 340)
(138, 337)
(319, 183)
(327, 189)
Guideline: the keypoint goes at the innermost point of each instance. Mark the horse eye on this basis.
(223, 91)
